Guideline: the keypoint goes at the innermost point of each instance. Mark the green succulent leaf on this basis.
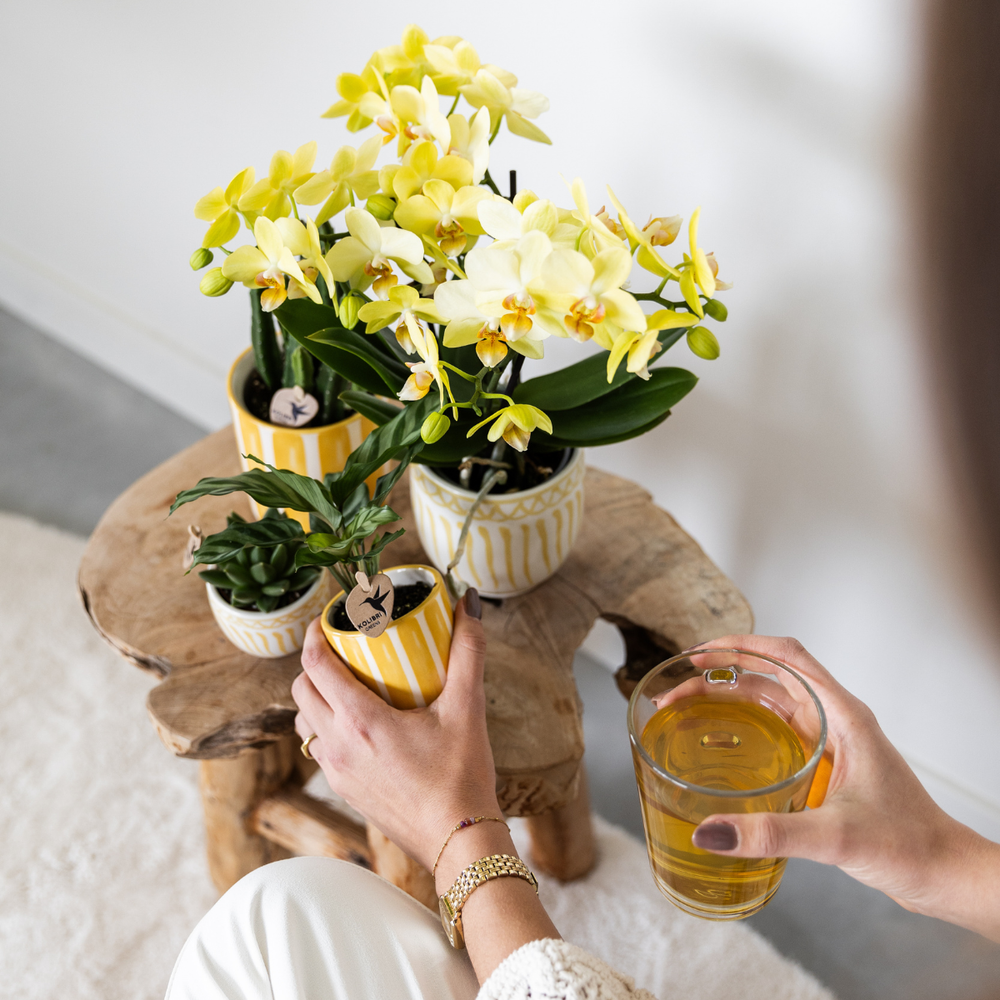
(216, 578)
(275, 589)
(263, 572)
(238, 576)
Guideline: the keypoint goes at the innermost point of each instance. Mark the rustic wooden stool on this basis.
(631, 565)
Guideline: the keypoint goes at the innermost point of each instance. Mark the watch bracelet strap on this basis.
(482, 871)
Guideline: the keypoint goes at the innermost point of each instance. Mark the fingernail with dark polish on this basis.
(473, 606)
(715, 837)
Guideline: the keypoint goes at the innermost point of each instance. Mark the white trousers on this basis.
(319, 929)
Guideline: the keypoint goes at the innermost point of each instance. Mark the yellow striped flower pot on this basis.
(270, 634)
(407, 663)
(516, 540)
(309, 451)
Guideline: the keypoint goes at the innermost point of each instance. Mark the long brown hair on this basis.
(960, 194)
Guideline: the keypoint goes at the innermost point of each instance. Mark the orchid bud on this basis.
(350, 305)
(214, 283)
(201, 258)
(381, 206)
(717, 310)
(703, 343)
(434, 427)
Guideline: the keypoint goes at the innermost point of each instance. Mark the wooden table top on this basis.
(632, 564)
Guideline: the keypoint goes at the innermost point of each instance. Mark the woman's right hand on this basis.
(877, 822)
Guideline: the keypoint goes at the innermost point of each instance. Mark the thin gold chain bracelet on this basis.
(470, 821)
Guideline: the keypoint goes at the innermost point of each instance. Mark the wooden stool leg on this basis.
(400, 869)
(562, 840)
(230, 789)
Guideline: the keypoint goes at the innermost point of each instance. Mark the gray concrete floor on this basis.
(72, 437)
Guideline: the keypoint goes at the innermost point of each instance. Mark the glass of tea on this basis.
(721, 731)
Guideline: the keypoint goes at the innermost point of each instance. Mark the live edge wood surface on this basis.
(632, 564)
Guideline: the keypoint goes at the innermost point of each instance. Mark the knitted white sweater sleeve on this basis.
(557, 970)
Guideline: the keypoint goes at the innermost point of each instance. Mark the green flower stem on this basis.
(494, 133)
(454, 104)
(490, 182)
(655, 297)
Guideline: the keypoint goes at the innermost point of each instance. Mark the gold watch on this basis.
(451, 903)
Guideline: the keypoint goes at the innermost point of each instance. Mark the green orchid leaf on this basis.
(546, 442)
(367, 361)
(392, 371)
(378, 411)
(573, 386)
(624, 413)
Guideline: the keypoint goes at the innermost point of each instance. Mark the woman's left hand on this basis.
(414, 773)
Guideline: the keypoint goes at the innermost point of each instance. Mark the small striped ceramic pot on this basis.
(270, 634)
(516, 540)
(407, 663)
(311, 451)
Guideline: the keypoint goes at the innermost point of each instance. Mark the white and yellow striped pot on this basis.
(407, 663)
(270, 634)
(516, 540)
(309, 451)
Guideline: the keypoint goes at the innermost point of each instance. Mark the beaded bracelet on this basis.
(471, 821)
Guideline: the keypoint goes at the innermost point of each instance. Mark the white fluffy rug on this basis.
(102, 872)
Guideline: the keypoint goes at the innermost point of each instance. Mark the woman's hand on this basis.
(877, 822)
(413, 773)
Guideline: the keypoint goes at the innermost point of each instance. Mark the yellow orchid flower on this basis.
(640, 347)
(407, 63)
(352, 88)
(457, 64)
(365, 256)
(657, 232)
(427, 371)
(421, 164)
(266, 265)
(271, 195)
(219, 208)
(350, 171)
(587, 295)
(697, 270)
(421, 111)
(514, 104)
(515, 423)
(471, 141)
(404, 303)
(582, 230)
(303, 240)
(720, 286)
(445, 216)
(507, 222)
(468, 323)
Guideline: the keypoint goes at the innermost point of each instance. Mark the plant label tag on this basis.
(293, 407)
(370, 609)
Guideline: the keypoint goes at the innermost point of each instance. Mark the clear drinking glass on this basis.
(720, 731)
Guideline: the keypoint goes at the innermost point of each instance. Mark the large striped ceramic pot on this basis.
(516, 540)
(270, 634)
(309, 451)
(406, 664)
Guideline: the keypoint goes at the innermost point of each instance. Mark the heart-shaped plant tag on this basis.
(293, 407)
(369, 604)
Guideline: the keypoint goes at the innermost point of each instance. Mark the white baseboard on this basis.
(143, 356)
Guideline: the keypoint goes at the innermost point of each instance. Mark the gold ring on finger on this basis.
(305, 747)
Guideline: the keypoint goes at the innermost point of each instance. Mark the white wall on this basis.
(804, 462)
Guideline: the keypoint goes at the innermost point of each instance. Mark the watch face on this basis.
(451, 922)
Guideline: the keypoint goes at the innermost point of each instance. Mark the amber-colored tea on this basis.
(720, 744)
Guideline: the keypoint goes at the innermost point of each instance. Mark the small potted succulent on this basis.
(392, 628)
(262, 599)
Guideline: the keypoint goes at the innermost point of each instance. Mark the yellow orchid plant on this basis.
(456, 285)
